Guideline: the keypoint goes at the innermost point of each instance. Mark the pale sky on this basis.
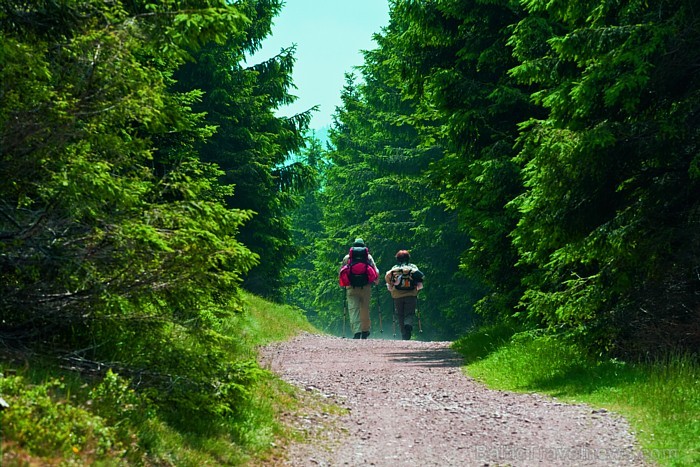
(329, 35)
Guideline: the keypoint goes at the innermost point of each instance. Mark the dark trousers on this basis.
(405, 311)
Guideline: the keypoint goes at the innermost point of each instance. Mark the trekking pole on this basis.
(379, 310)
(420, 328)
(345, 308)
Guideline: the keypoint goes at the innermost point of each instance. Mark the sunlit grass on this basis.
(661, 399)
(56, 416)
(264, 322)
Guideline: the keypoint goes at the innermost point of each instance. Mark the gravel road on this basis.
(409, 404)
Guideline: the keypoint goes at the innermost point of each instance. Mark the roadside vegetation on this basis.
(660, 397)
(58, 416)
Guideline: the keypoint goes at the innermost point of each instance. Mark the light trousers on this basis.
(358, 308)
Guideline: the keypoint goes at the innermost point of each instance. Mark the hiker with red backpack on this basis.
(404, 281)
(358, 273)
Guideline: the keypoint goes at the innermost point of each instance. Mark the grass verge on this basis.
(660, 399)
(60, 417)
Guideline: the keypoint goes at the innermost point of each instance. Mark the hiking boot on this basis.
(365, 334)
(357, 335)
(407, 330)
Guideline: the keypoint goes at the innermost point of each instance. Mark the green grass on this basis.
(661, 400)
(264, 322)
(59, 417)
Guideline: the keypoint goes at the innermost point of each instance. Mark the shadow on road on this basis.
(444, 358)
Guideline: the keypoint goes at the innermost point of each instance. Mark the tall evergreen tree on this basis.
(410, 214)
(376, 189)
(610, 214)
(454, 59)
(345, 204)
(306, 231)
(113, 242)
(251, 144)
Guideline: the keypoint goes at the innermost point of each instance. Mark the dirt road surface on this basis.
(410, 404)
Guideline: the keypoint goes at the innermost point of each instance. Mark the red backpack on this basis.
(358, 272)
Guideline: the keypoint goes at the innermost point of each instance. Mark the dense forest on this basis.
(540, 160)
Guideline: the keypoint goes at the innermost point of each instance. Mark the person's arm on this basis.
(374, 265)
(387, 276)
(388, 279)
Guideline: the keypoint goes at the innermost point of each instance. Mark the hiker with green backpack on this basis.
(358, 273)
(404, 281)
